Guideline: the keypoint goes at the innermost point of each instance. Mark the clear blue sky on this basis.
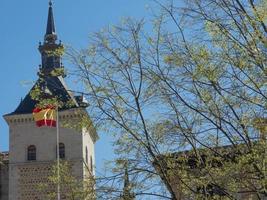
(22, 26)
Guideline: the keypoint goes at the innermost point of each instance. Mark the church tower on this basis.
(33, 150)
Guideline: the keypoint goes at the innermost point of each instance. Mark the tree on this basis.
(196, 84)
(71, 187)
(121, 95)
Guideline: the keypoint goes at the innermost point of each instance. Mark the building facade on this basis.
(32, 149)
(4, 175)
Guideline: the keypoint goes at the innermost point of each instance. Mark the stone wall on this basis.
(31, 177)
(4, 180)
(25, 174)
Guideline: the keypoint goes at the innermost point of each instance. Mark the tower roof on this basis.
(51, 74)
(56, 87)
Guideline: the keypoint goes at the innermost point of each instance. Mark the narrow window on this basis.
(61, 151)
(31, 152)
(86, 155)
(91, 163)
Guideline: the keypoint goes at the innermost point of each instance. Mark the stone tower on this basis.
(33, 149)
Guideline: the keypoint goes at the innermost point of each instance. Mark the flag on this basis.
(45, 116)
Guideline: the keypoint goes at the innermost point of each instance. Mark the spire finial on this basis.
(50, 35)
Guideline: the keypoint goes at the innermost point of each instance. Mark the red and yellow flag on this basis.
(45, 116)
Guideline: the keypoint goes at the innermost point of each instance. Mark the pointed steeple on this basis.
(51, 74)
(50, 50)
(127, 194)
(50, 35)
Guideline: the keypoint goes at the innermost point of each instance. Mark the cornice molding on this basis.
(28, 118)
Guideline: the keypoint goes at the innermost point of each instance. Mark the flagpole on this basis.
(58, 175)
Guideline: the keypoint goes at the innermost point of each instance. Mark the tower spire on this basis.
(50, 50)
(127, 193)
(50, 35)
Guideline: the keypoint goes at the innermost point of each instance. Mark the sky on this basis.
(22, 26)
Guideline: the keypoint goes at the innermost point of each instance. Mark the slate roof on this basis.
(57, 88)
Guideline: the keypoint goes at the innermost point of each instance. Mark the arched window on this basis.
(31, 152)
(61, 150)
(86, 155)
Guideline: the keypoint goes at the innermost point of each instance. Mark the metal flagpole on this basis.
(58, 175)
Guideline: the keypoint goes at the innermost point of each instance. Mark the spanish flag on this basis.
(45, 116)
